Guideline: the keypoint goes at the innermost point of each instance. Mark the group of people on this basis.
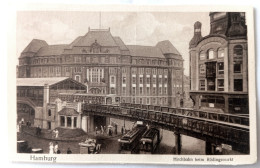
(55, 133)
(54, 149)
(109, 130)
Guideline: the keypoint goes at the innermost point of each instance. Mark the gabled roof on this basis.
(51, 50)
(102, 37)
(120, 43)
(34, 46)
(39, 81)
(68, 112)
(167, 47)
(73, 42)
(145, 51)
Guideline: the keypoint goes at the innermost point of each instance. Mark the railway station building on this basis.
(38, 102)
(219, 64)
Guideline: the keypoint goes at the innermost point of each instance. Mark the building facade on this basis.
(219, 64)
(128, 73)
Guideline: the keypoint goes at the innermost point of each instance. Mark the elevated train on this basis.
(129, 143)
(150, 141)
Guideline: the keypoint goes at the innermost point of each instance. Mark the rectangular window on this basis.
(154, 90)
(237, 67)
(75, 122)
(141, 80)
(112, 80)
(133, 90)
(147, 101)
(238, 84)
(134, 79)
(211, 84)
(160, 80)
(62, 121)
(202, 84)
(165, 80)
(221, 68)
(124, 90)
(165, 90)
(124, 80)
(141, 101)
(141, 90)
(154, 80)
(220, 84)
(160, 90)
(202, 69)
(148, 90)
(148, 80)
(154, 100)
(133, 101)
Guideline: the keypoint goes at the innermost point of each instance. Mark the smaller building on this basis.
(38, 103)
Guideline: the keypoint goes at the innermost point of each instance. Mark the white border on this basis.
(141, 159)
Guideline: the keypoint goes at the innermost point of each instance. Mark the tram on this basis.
(150, 140)
(129, 143)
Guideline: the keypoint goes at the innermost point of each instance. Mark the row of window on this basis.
(147, 90)
(210, 54)
(103, 59)
(148, 71)
(237, 68)
(154, 101)
(149, 79)
(211, 85)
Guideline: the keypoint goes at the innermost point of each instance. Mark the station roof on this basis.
(68, 112)
(39, 81)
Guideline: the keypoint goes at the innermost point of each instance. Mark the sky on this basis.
(134, 28)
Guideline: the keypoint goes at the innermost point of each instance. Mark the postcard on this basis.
(132, 84)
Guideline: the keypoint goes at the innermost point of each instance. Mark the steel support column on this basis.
(177, 142)
(210, 148)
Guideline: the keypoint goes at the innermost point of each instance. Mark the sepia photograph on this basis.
(144, 84)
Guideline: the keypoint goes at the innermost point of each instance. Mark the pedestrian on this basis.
(69, 151)
(56, 133)
(96, 130)
(122, 130)
(105, 129)
(116, 129)
(22, 121)
(102, 129)
(109, 131)
(56, 148)
(37, 130)
(51, 148)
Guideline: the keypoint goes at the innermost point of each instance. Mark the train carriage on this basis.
(129, 143)
(150, 140)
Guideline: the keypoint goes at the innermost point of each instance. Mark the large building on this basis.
(102, 62)
(219, 64)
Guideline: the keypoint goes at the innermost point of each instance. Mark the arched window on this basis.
(49, 112)
(210, 54)
(221, 53)
(238, 51)
(202, 55)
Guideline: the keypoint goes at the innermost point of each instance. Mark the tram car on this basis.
(129, 143)
(150, 141)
